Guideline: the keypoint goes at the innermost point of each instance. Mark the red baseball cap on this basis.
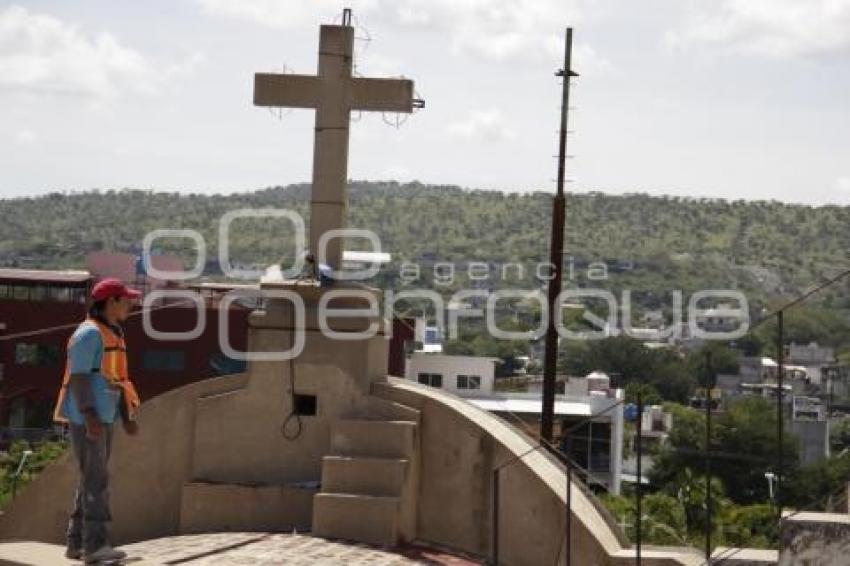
(112, 287)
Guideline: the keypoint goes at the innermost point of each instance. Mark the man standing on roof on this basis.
(95, 391)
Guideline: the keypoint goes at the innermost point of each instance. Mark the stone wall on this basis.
(211, 456)
(815, 539)
(461, 446)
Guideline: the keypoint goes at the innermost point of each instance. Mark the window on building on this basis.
(164, 360)
(469, 382)
(432, 379)
(38, 293)
(5, 292)
(60, 294)
(20, 293)
(36, 354)
(79, 295)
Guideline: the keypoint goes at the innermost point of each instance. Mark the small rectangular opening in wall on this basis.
(305, 405)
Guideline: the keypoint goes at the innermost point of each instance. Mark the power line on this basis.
(56, 328)
(801, 298)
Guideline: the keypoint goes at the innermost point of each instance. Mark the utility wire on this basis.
(49, 329)
(801, 298)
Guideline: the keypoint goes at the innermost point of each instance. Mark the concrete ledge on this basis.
(723, 556)
(368, 476)
(377, 439)
(213, 507)
(362, 518)
(381, 409)
(158, 460)
(461, 445)
(814, 538)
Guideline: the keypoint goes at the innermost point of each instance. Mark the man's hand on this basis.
(131, 427)
(94, 427)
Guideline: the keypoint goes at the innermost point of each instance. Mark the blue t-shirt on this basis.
(85, 352)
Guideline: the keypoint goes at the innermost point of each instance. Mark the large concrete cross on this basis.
(333, 93)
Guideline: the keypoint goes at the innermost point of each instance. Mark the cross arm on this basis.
(292, 91)
(382, 95)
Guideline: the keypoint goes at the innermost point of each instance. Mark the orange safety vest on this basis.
(113, 366)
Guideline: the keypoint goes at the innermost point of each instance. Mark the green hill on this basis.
(651, 244)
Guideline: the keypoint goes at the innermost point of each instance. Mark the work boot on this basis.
(105, 554)
(73, 552)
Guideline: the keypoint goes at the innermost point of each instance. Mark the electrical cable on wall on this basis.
(293, 410)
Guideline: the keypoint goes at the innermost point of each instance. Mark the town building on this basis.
(814, 358)
(810, 426)
(588, 415)
(39, 310)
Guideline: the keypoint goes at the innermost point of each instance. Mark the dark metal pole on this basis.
(708, 502)
(780, 369)
(556, 253)
(495, 540)
(708, 498)
(569, 513)
(639, 489)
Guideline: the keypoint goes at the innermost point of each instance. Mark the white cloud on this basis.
(487, 125)
(588, 62)
(493, 29)
(40, 53)
(775, 28)
(377, 65)
(26, 138)
(397, 173)
(842, 185)
(281, 14)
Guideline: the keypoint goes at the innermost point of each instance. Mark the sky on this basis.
(723, 98)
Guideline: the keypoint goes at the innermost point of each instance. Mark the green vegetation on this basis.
(744, 448)
(679, 520)
(652, 244)
(663, 372)
(43, 454)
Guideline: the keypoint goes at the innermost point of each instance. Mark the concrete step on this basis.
(382, 409)
(364, 518)
(382, 477)
(216, 507)
(376, 439)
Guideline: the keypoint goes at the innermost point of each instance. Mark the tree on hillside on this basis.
(806, 324)
(744, 446)
(629, 361)
(820, 484)
(711, 359)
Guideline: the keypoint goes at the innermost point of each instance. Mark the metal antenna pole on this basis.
(556, 252)
(639, 485)
(709, 387)
(780, 369)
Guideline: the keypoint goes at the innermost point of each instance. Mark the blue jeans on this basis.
(87, 526)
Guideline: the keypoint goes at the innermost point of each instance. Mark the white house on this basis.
(591, 412)
(813, 358)
(466, 376)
